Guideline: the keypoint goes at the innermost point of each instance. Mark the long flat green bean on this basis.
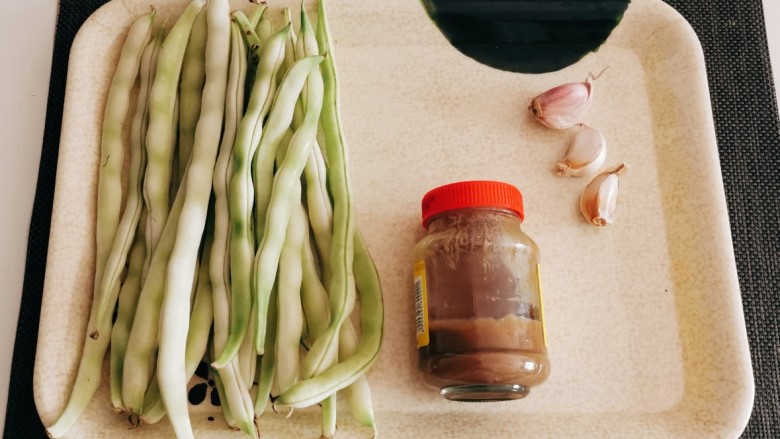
(280, 204)
(109, 250)
(342, 374)
(340, 287)
(241, 195)
(266, 370)
(161, 131)
(253, 41)
(310, 391)
(130, 290)
(201, 317)
(289, 302)
(142, 344)
(193, 76)
(108, 210)
(317, 198)
(220, 264)
(128, 301)
(171, 360)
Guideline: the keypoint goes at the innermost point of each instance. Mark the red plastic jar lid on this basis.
(465, 194)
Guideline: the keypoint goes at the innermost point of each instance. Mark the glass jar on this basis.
(480, 327)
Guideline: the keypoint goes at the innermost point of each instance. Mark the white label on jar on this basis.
(421, 304)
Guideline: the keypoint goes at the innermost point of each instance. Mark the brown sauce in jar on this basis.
(481, 313)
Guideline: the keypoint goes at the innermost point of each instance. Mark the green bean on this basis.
(175, 308)
(266, 371)
(277, 126)
(264, 29)
(193, 76)
(233, 392)
(236, 402)
(142, 343)
(159, 138)
(342, 295)
(289, 52)
(247, 358)
(226, 413)
(108, 210)
(317, 199)
(130, 290)
(220, 260)
(329, 407)
(280, 204)
(289, 303)
(134, 203)
(366, 280)
(310, 391)
(252, 40)
(358, 393)
(112, 236)
(241, 196)
(197, 337)
(128, 301)
(258, 10)
(314, 298)
(315, 308)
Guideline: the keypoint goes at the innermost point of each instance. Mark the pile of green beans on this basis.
(237, 243)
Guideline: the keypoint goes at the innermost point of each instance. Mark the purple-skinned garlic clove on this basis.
(599, 199)
(586, 155)
(565, 105)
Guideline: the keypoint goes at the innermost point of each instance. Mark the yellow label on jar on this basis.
(421, 304)
(541, 304)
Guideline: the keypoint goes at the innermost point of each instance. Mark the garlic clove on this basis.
(586, 153)
(565, 105)
(599, 199)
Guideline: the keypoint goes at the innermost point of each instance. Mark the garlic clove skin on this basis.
(599, 199)
(563, 106)
(586, 154)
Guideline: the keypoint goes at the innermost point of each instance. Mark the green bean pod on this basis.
(241, 196)
(266, 370)
(310, 391)
(131, 288)
(201, 317)
(226, 413)
(108, 210)
(280, 203)
(128, 301)
(234, 394)
(317, 197)
(358, 393)
(277, 126)
(366, 279)
(193, 76)
(112, 236)
(340, 287)
(258, 10)
(142, 343)
(316, 311)
(252, 40)
(159, 138)
(115, 263)
(288, 333)
(264, 29)
(171, 360)
(220, 262)
(329, 416)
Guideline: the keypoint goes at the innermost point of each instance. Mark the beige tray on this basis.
(646, 331)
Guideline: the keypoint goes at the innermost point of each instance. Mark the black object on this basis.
(748, 130)
(526, 36)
